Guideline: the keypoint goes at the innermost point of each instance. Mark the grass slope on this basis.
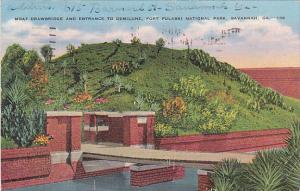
(156, 78)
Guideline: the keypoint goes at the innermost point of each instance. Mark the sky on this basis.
(270, 39)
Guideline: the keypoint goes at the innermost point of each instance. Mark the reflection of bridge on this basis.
(150, 156)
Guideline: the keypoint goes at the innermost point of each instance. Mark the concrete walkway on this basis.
(151, 156)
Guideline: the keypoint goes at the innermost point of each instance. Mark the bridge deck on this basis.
(139, 155)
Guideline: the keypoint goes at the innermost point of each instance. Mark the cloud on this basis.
(261, 43)
(33, 36)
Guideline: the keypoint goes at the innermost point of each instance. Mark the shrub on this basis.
(216, 119)
(174, 108)
(121, 68)
(272, 170)
(82, 97)
(118, 84)
(7, 143)
(135, 40)
(192, 86)
(20, 126)
(227, 175)
(264, 174)
(39, 77)
(146, 102)
(160, 43)
(163, 130)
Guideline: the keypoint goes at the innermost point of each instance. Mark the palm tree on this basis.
(71, 51)
(47, 53)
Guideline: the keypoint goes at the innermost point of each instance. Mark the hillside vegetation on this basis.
(190, 91)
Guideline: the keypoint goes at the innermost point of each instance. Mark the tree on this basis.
(84, 78)
(11, 64)
(135, 40)
(47, 53)
(29, 59)
(65, 65)
(39, 77)
(71, 51)
(117, 42)
(160, 43)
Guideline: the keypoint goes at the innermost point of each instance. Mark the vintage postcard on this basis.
(149, 95)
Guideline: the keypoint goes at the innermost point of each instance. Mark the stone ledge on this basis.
(203, 172)
(76, 156)
(119, 114)
(63, 113)
(59, 157)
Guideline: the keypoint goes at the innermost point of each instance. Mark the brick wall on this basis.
(65, 130)
(42, 165)
(244, 141)
(204, 181)
(128, 128)
(80, 172)
(284, 80)
(144, 177)
(24, 163)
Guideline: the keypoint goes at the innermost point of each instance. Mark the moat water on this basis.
(118, 182)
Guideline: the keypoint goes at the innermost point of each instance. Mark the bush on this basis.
(227, 175)
(20, 126)
(272, 170)
(7, 143)
(135, 40)
(174, 108)
(121, 68)
(192, 87)
(164, 130)
(216, 119)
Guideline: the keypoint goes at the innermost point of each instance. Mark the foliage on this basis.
(7, 143)
(82, 97)
(16, 94)
(121, 68)
(211, 65)
(117, 83)
(160, 43)
(143, 103)
(174, 108)
(39, 77)
(227, 175)
(216, 118)
(65, 66)
(271, 170)
(29, 60)
(83, 82)
(70, 49)
(191, 86)
(117, 42)
(135, 40)
(20, 126)
(47, 53)
(163, 130)
(12, 65)
(264, 173)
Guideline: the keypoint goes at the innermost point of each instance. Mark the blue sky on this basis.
(261, 43)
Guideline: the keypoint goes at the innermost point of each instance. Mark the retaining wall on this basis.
(25, 163)
(145, 175)
(244, 141)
